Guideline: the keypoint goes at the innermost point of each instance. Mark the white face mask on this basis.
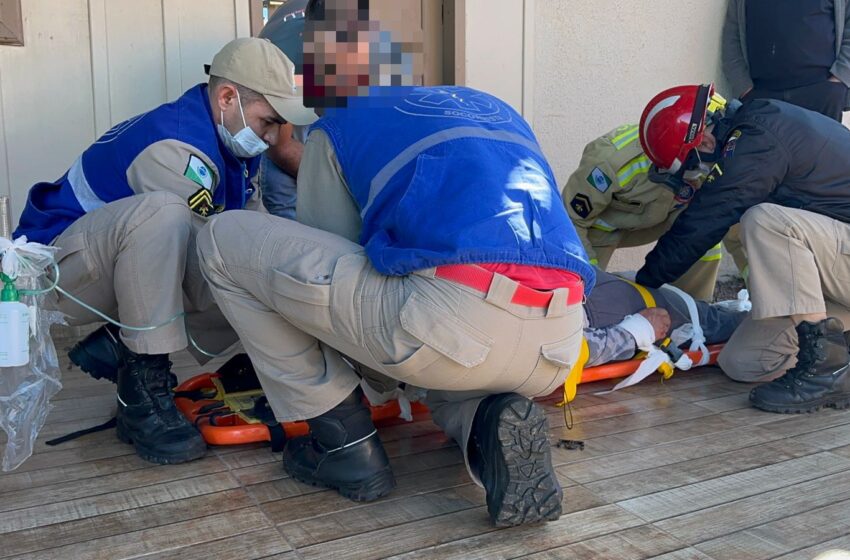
(246, 143)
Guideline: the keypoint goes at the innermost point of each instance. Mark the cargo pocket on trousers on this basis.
(554, 363)
(302, 303)
(76, 267)
(442, 335)
(841, 265)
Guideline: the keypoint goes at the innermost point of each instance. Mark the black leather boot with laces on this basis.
(342, 452)
(821, 377)
(147, 416)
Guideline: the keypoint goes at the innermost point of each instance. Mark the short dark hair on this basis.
(315, 10)
(247, 95)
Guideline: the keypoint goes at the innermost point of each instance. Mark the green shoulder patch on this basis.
(599, 180)
(198, 172)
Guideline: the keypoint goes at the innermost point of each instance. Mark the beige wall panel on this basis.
(195, 30)
(46, 92)
(597, 64)
(493, 57)
(136, 57)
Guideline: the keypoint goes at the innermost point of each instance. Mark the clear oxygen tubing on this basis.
(104, 316)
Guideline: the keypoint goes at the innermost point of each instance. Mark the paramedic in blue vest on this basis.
(438, 255)
(124, 218)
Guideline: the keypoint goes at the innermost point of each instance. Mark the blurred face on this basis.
(709, 142)
(258, 115)
(346, 53)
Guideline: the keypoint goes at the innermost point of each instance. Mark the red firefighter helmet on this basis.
(673, 124)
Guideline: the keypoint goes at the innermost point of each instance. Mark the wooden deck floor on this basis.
(676, 471)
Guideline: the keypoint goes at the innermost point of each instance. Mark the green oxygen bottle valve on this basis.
(9, 292)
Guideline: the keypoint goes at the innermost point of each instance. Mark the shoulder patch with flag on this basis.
(729, 148)
(198, 172)
(599, 180)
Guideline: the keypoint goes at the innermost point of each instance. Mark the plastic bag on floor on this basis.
(25, 391)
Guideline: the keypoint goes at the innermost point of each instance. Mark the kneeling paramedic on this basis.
(124, 217)
(466, 278)
(614, 202)
(783, 171)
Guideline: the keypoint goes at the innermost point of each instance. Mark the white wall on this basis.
(89, 64)
(597, 64)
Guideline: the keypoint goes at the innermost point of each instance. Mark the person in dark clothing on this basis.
(783, 172)
(793, 50)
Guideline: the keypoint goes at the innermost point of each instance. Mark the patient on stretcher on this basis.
(621, 316)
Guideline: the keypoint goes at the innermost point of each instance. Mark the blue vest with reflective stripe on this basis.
(446, 175)
(99, 175)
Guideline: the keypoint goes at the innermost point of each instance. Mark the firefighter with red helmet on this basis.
(783, 172)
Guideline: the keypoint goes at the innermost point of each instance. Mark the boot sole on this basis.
(154, 456)
(838, 403)
(91, 365)
(376, 486)
(532, 493)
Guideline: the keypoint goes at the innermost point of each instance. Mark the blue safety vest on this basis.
(449, 175)
(99, 175)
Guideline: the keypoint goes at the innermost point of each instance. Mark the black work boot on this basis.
(820, 378)
(342, 452)
(99, 354)
(147, 416)
(509, 448)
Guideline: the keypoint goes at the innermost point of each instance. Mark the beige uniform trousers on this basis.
(799, 263)
(301, 297)
(135, 260)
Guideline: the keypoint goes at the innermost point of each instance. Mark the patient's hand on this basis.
(660, 320)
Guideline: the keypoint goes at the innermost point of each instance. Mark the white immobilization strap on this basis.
(698, 339)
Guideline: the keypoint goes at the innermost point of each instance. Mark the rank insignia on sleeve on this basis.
(581, 205)
(201, 202)
(599, 180)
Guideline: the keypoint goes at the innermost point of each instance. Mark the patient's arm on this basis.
(609, 344)
(621, 341)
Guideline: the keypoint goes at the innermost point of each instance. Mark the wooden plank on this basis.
(402, 538)
(644, 482)
(811, 528)
(404, 510)
(525, 539)
(663, 454)
(701, 495)
(163, 538)
(727, 403)
(34, 479)
(119, 482)
(89, 506)
(683, 554)
(844, 451)
(757, 509)
(90, 452)
(283, 493)
(808, 529)
(657, 430)
(383, 514)
(248, 546)
(836, 549)
(78, 409)
(119, 523)
(635, 543)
